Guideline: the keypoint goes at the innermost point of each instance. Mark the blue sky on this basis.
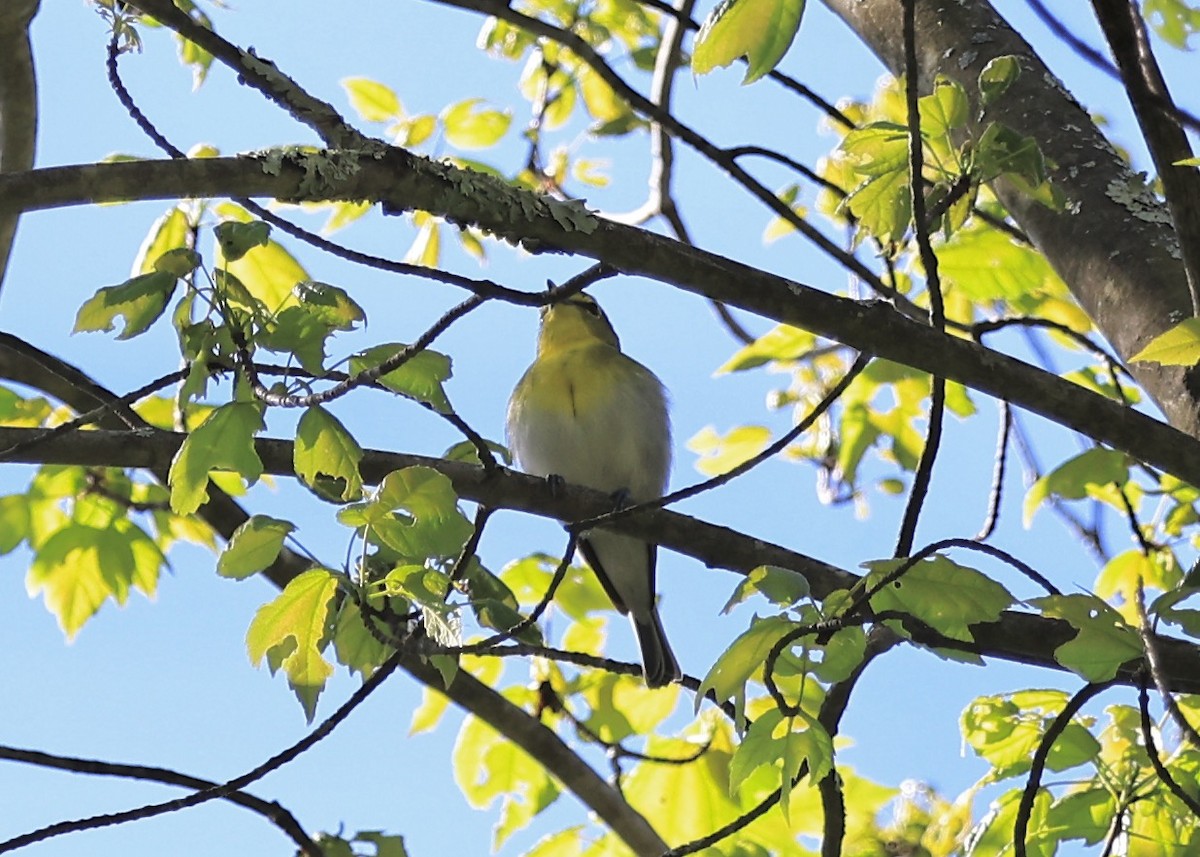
(169, 683)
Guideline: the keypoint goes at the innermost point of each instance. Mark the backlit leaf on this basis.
(224, 441)
(253, 546)
(759, 30)
(1179, 346)
(943, 594)
(420, 377)
(291, 631)
(325, 451)
(139, 302)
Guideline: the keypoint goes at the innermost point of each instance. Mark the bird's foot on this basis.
(621, 499)
(556, 484)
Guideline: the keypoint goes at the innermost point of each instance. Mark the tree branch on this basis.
(18, 105)
(1113, 242)
(1019, 637)
(537, 222)
(270, 810)
(1165, 137)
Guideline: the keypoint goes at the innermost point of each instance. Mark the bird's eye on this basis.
(594, 309)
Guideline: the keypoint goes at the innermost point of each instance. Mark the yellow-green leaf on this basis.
(224, 441)
(374, 101)
(292, 631)
(169, 232)
(253, 546)
(139, 302)
(1105, 640)
(759, 30)
(80, 567)
(722, 454)
(1179, 346)
(468, 126)
(325, 452)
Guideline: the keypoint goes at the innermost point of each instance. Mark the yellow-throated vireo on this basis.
(587, 413)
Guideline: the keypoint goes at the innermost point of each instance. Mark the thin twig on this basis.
(992, 518)
(217, 792)
(269, 810)
(1041, 754)
(937, 310)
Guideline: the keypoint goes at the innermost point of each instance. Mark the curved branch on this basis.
(269, 810)
(542, 223)
(1019, 637)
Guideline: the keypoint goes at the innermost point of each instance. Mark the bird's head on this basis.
(576, 321)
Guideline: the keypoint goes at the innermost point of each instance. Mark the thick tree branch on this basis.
(1019, 637)
(24, 363)
(543, 744)
(1152, 104)
(407, 181)
(18, 105)
(1112, 243)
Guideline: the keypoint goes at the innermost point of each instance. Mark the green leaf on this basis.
(984, 264)
(469, 127)
(237, 239)
(1006, 731)
(15, 522)
(296, 331)
(759, 30)
(877, 149)
(489, 766)
(330, 305)
(745, 656)
(291, 631)
(945, 109)
(433, 525)
(1087, 814)
(1077, 478)
(1105, 640)
(325, 452)
(171, 232)
(722, 454)
(269, 274)
(1003, 151)
(354, 644)
(943, 594)
(997, 76)
(781, 343)
(178, 262)
(253, 546)
(1175, 21)
(781, 586)
(79, 567)
(883, 205)
(385, 846)
(139, 302)
(224, 441)
(790, 742)
(374, 101)
(421, 377)
(1126, 574)
(1179, 346)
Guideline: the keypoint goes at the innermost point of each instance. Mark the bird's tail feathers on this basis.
(658, 661)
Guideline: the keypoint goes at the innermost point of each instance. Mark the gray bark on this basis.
(1113, 244)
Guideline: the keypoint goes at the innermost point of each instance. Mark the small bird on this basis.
(587, 413)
